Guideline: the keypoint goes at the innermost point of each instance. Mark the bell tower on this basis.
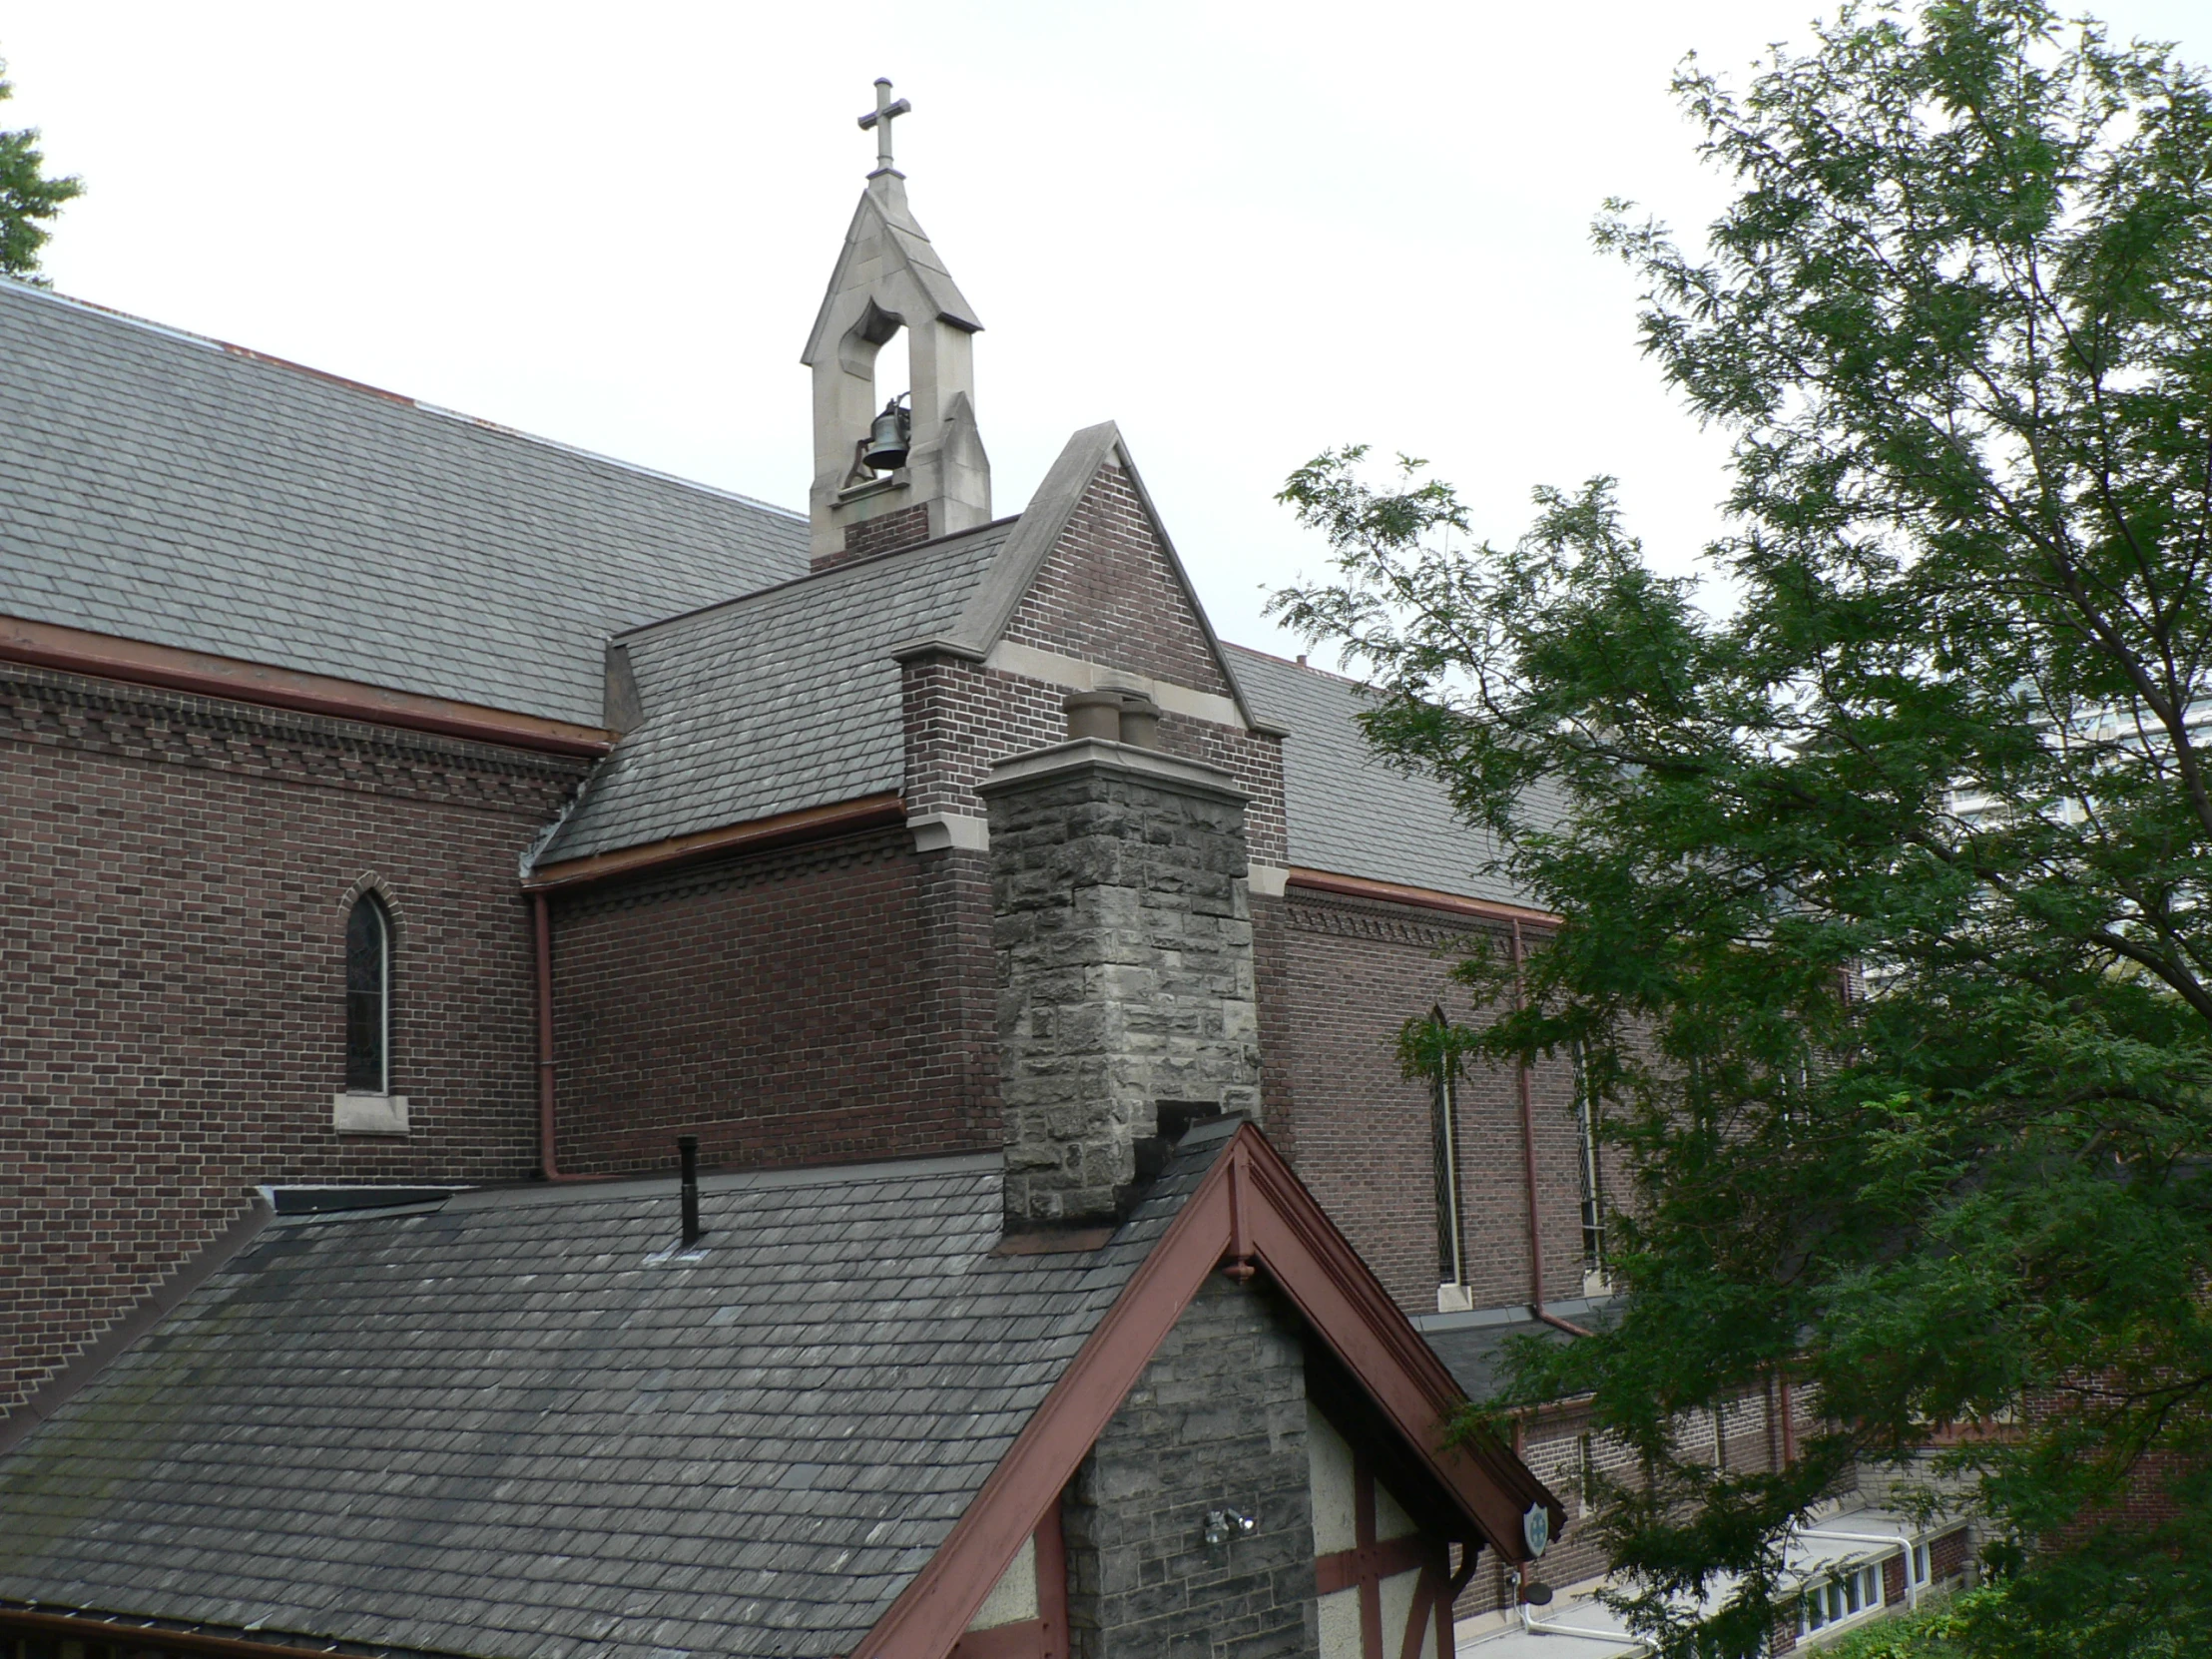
(892, 466)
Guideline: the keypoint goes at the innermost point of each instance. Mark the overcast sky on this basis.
(1244, 232)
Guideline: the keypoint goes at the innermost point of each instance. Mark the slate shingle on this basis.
(770, 704)
(524, 1425)
(165, 488)
(1350, 814)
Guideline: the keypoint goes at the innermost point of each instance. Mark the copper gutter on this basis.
(1528, 1169)
(808, 822)
(1427, 898)
(201, 674)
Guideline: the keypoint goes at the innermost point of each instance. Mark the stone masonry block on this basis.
(1124, 974)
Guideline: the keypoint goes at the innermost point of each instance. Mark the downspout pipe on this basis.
(1528, 1165)
(548, 1164)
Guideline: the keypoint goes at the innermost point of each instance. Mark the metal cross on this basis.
(880, 119)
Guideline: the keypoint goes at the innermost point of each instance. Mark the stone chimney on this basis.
(1125, 976)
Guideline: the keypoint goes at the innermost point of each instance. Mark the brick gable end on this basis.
(1108, 593)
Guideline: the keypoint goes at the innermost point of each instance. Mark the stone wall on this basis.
(1124, 966)
(174, 872)
(1216, 1421)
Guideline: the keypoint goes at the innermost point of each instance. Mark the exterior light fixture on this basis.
(1224, 1524)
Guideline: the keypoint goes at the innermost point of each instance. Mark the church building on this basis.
(413, 833)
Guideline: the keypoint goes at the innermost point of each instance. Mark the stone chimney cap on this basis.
(1149, 765)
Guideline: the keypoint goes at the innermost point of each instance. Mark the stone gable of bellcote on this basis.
(937, 481)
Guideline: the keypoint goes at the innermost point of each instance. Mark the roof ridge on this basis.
(1301, 667)
(936, 544)
(439, 412)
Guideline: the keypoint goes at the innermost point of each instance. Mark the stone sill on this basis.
(368, 1114)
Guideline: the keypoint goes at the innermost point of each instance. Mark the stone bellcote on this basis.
(890, 278)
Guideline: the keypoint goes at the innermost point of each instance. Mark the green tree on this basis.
(27, 196)
(1885, 893)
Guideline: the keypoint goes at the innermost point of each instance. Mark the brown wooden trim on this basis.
(934, 1608)
(1248, 1201)
(1028, 1639)
(1426, 1593)
(1364, 1542)
(1052, 1583)
(804, 825)
(102, 656)
(1339, 1297)
(1427, 898)
(1345, 1568)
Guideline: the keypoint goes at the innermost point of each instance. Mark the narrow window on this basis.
(1443, 1111)
(367, 997)
(1589, 1173)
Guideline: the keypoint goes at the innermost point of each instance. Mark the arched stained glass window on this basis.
(367, 997)
(1443, 1127)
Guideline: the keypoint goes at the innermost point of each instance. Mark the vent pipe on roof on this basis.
(687, 1152)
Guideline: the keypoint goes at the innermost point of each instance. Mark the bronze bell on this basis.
(886, 437)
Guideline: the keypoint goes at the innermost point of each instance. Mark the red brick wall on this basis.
(881, 534)
(1107, 594)
(964, 719)
(1949, 1555)
(838, 1001)
(173, 877)
(1558, 1442)
(823, 1003)
(1349, 975)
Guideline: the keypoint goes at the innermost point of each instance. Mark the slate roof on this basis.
(1350, 814)
(781, 701)
(1476, 1353)
(166, 488)
(523, 1423)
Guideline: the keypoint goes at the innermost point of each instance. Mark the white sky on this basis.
(1244, 231)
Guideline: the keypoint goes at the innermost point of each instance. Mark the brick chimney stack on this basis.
(1124, 942)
